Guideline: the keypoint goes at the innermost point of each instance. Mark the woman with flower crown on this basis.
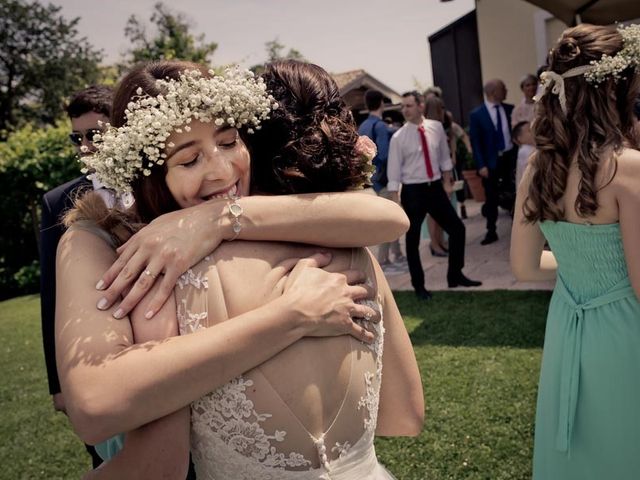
(580, 193)
(259, 425)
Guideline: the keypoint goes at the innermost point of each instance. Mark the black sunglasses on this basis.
(76, 137)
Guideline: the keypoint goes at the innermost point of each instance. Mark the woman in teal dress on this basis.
(581, 193)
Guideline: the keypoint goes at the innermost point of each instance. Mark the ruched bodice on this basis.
(587, 425)
(590, 257)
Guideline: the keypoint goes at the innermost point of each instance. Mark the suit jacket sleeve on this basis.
(475, 132)
(50, 234)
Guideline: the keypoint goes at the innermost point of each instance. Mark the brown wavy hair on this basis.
(599, 120)
(308, 144)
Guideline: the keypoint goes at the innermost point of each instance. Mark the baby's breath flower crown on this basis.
(236, 99)
(628, 56)
(597, 70)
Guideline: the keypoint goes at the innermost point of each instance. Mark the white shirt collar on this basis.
(490, 105)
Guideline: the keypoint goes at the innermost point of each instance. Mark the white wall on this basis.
(514, 38)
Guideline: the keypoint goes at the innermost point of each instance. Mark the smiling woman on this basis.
(207, 162)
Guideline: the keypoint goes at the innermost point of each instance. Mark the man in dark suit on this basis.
(493, 150)
(86, 109)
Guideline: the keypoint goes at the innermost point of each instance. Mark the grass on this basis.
(479, 354)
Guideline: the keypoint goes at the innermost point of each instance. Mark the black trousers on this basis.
(490, 207)
(421, 199)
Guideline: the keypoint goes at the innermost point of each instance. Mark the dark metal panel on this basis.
(455, 61)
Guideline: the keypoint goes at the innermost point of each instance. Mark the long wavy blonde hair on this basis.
(599, 119)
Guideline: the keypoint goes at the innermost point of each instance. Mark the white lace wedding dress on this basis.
(253, 427)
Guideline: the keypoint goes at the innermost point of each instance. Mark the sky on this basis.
(387, 38)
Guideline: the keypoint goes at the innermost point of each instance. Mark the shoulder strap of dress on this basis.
(95, 229)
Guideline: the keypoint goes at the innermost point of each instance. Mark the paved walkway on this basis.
(489, 264)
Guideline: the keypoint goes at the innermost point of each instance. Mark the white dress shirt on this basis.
(110, 198)
(506, 131)
(406, 160)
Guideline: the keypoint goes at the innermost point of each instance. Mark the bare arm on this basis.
(175, 241)
(401, 410)
(628, 196)
(529, 261)
(113, 386)
(159, 449)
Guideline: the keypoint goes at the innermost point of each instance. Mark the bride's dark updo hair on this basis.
(308, 144)
(599, 120)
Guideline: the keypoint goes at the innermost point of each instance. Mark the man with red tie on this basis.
(420, 166)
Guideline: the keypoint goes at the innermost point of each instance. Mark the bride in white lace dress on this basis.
(312, 410)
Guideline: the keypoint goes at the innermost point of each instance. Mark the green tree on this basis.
(42, 61)
(276, 51)
(173, 39)
(32, 161)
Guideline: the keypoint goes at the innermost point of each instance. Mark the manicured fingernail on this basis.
(100, 285)
(118, 314)
(102, 304)
(149, 314)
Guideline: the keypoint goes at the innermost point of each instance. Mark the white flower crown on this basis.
(628, 56)
(598, 70)
(236, 99)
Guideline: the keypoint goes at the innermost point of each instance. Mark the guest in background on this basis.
(523, 137)
(86, 109)
(434, 110)
(493, 150)
(377, 130)
(523, 112)
(420, 163)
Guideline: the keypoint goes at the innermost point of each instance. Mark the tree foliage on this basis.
(32, 161)
(172, 39)
(276, 51)
(42, 61)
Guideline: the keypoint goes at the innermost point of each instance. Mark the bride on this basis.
(293, 415)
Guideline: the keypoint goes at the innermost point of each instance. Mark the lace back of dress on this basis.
(248, 428)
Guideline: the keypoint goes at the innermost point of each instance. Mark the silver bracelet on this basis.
(235, 210)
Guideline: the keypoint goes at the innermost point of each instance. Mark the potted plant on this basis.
(469, 173)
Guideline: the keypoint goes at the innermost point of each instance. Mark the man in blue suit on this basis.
(490, 133)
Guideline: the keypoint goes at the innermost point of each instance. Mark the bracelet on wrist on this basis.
(235, 211)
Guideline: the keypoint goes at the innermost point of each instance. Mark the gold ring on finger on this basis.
(148, 272)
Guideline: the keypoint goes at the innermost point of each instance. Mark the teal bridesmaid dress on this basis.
(588, 413)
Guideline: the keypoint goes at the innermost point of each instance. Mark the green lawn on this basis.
(479, 354)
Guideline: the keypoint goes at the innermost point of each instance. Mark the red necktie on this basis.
(425, 152)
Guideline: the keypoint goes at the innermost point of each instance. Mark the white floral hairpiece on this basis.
(628, 56)
(235, 99)
(597, 70)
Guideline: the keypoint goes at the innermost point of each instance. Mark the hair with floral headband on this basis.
(586, 111)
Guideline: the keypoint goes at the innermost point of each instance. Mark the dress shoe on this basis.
(423, 294)
(461, 281)
(489, 238)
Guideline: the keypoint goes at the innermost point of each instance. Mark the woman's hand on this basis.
(326, 301)
(161, 251)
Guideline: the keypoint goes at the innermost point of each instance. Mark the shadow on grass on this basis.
(495, 318)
